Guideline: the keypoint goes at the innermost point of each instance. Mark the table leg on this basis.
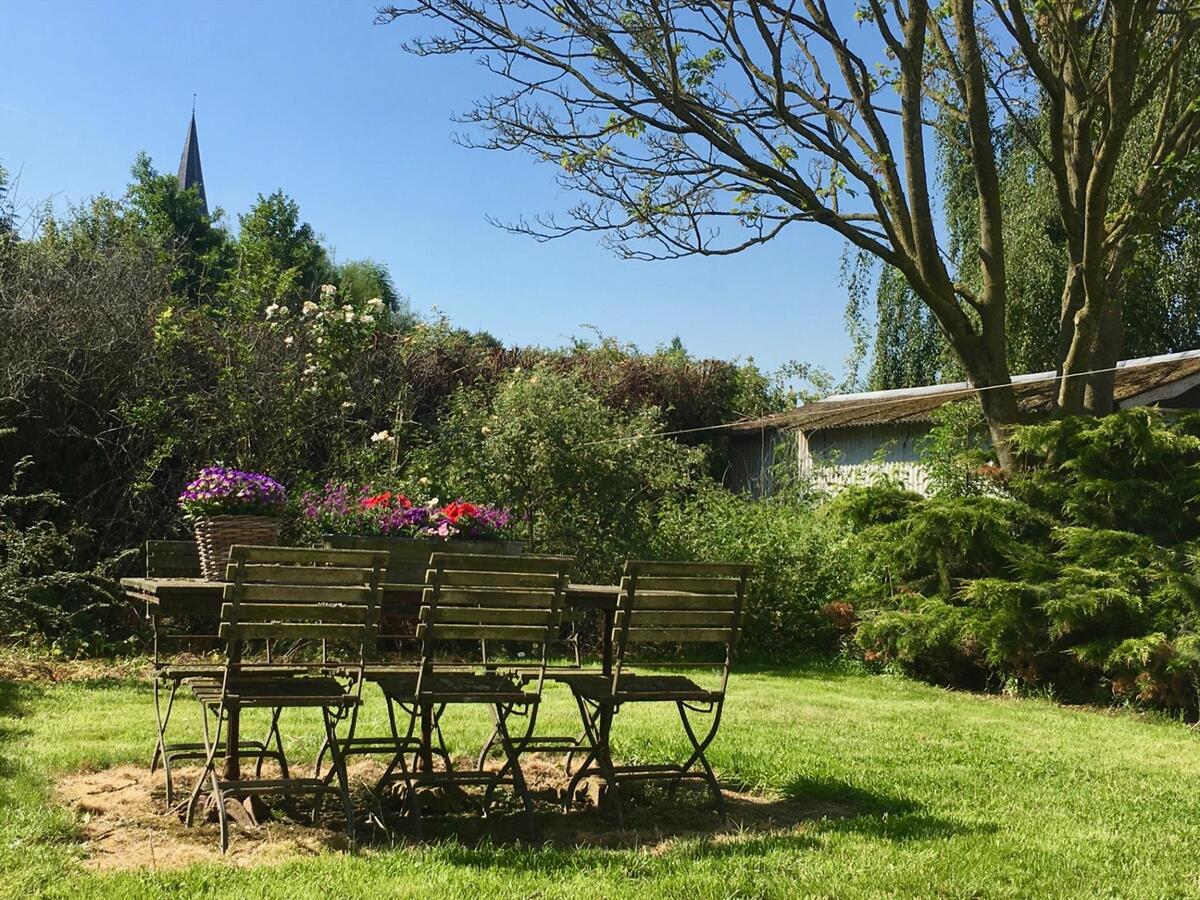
(232, 769)
(427, 737)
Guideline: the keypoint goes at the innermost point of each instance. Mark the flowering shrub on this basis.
(328, 330)
(337, 509)
(219, 491)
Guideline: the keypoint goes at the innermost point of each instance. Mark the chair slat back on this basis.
(290, 593)
(679, 603)
(172, 559)
(484, 598)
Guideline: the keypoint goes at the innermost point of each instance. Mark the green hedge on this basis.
(804, 563)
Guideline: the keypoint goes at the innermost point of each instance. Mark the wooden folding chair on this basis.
(664, 603)
(177, 635)
(494, 604)
(322, 599)
(393, 653)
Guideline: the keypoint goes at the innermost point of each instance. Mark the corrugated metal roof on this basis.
(1035, 393)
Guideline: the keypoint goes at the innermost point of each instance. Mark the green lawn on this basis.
(931, 792)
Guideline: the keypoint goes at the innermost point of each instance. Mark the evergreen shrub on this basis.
(1080, 578)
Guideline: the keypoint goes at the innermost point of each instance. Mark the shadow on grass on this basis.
(756, 825)
(878, 815)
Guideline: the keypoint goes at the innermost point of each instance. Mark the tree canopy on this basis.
(1157, 298)
(710, 127)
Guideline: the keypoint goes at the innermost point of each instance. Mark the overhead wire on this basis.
(876, 404)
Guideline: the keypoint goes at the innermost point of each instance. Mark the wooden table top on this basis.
(159, 590)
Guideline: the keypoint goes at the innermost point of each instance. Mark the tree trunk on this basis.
(1002, 413)
(1093, 338)
(1098, 397)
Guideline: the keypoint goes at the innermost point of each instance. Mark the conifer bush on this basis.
(1081, 577)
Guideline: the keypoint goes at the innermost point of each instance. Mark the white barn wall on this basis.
(837, 457)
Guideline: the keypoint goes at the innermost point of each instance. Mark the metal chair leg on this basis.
(401, 744)
(325, 745)
(604, 760)
(339, 766)
(487, 748)
(222, 815)
(589, 723)
(273, 731)
(211, 742)
(163, 718)
(698, 754)
(500, 715)
(599, 728)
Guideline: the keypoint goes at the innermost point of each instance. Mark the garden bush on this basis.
(579, 477)
(1136, 471)
(46, 596)
(803, 563)
(1081, 578)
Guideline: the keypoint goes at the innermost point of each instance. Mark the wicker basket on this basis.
(216, 534)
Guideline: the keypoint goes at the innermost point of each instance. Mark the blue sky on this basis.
(315, 99)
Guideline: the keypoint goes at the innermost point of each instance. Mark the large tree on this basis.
(677, 115)
(174, 218)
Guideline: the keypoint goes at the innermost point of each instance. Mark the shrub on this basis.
(1084, 580)
(44, 597)
(937, 544)
(1136, 470)
(579, 477)
(802, 563)
(957, 452)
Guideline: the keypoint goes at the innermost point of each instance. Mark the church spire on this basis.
(190, 173)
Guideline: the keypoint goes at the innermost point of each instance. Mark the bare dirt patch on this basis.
(124, 826)
(123, 823)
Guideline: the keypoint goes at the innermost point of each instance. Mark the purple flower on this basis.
(221, 491)
(378, 510)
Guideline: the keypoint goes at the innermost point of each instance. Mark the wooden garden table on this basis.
(166, 597)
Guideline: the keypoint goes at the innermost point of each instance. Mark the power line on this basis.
(876, 404)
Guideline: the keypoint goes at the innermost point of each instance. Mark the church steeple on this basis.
(190, 173)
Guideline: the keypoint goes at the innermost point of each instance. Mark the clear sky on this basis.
(315, 99)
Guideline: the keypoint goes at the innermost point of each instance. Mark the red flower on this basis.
(377, 500)
(458, 509)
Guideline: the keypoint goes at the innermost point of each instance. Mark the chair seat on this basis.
(453, 687)
(185, 671)
(634, 688)
(273, 689)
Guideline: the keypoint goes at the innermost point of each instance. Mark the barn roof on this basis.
(1137, 382)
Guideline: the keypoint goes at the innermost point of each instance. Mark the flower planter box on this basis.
(216, 534)
(410, 556)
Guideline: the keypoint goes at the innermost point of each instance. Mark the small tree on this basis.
(279, 258)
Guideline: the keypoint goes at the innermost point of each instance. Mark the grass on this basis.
(943, 793)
